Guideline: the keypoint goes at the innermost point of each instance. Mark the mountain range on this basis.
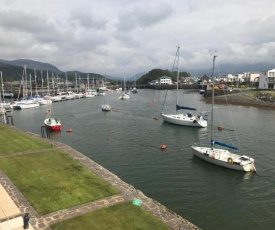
(14, 69)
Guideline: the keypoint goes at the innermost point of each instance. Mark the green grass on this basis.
(13, 141)
(121, 216)
(53, 180)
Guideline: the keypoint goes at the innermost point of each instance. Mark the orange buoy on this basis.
(163, 146)
(69, 130)
(220, 127)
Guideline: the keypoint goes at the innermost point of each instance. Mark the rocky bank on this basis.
(244, 98)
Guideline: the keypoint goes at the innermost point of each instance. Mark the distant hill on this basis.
(13, 70)
(32, 65)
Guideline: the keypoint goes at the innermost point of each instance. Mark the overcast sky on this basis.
(126, 37)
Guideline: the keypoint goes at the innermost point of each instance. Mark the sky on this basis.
(123, 38)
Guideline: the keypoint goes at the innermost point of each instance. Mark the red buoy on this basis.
(69, 130)
(163, 146)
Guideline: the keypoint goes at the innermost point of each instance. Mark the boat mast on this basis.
(42, 82)
(212, 112)
(76, 83)
(88, 82)
(31, 85)
(3, 101)
(36, 92)
(26, 79)
(48, 84)
(177, 98)
(67, 83)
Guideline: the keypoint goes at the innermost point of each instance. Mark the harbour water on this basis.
(127, 142)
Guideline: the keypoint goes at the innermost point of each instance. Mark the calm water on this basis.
(127, 142)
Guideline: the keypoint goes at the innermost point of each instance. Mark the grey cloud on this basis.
(143, 17)
(87, 19)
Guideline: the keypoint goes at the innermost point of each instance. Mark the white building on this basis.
(251, 76)
(267, 79)
(154, 82)
(165, 80)
(232, 78)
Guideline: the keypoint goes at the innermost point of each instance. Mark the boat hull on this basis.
(52, 124)
(45, 102)
(106, 107)
(185, 120)
(124, 97)
(224, 158)
(25, 105)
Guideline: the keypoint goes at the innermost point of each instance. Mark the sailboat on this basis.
(89, 92)
(46, 98)
(221, 156)
(25, 103)
(2, 104)
(135, 90)
(51, 121)
(105, 106)
(124, 95)
(185, 119)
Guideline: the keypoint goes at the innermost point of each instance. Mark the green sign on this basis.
(136, 202)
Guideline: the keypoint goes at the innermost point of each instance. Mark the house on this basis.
(250, 76)
(232, 78)
(267, 79)
(165, 80)
(154, 82)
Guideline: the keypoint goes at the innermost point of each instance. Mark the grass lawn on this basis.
(53, 180)
(13, 141)
(120, 216)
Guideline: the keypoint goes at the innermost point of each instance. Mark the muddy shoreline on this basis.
(242, 99)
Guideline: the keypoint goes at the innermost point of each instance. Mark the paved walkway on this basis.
(128, 192)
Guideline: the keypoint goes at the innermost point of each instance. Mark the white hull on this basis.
(89, 95)
(185, 120)
(78, 95)
(25, 105)
(6, 105)
(2, 111)
(124, 97)
(106, 107)
(56, 99)
(224, 158)
(134, 90)
(45, 102)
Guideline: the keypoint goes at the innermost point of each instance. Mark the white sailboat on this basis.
(105, 106)
(25, 103)
(221, 156)
(2, 104)
(89, 92)
(185, 119)
(135, 90)
(52, 122)
(78, 94)
(125, 95)
(46, 98)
